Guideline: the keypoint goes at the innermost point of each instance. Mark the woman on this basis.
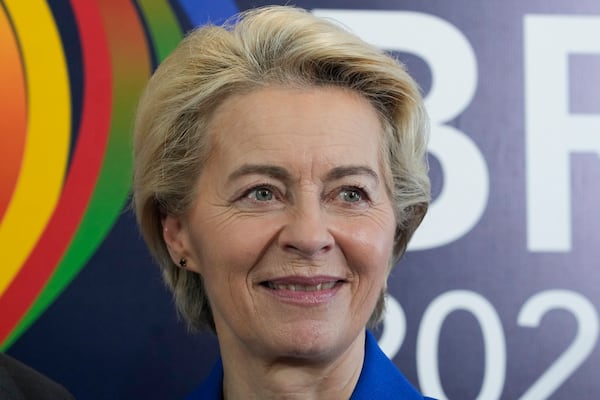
(279, 174)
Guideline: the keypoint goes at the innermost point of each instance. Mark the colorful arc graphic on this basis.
(13, 111)
(79, 202)
(44, 159)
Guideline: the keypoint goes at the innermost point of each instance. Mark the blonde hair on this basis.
(268, 46)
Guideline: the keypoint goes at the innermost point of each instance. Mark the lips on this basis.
(301, 288)
(306, 290)
(311, 292)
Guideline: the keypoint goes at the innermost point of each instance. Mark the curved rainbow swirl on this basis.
(58, 199)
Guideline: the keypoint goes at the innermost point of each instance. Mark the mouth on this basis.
(301, 287)
(304, 290)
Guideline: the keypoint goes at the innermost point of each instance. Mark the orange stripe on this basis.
(13, 113)
(48, 135)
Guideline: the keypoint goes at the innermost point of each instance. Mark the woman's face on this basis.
(292, 227)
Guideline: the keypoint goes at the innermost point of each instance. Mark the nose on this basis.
(306, 232)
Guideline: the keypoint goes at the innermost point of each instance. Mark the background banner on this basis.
(498, 295)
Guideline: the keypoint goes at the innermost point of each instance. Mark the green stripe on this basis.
(165, 30)
(112, 189)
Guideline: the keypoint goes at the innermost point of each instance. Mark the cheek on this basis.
(378, 243)
(232, 248)
(370, 246)
(377, 234)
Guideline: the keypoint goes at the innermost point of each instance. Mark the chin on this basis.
(315, 341)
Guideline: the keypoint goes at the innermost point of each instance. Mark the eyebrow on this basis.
(283, 175)
(351, 170)
(273, 171)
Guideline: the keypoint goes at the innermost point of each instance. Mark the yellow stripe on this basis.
(48, 135)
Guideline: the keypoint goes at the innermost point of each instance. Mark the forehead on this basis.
(322, 123)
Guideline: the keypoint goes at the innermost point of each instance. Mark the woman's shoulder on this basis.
(381, 379)
(212, 387)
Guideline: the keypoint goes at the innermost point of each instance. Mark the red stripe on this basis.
(83, 171)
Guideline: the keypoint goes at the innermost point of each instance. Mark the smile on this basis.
(301, 288)
(304, 291)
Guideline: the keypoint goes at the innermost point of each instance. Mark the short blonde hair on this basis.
(268, 46)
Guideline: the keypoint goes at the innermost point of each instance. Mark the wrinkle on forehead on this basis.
(307, 131)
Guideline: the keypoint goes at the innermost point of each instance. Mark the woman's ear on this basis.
(175, 237)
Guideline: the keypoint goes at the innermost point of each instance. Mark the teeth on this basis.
(302, 288)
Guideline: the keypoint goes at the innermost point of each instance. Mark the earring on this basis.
(182, 262)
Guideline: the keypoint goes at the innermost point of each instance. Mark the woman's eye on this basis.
(351, 195)
(262, 194)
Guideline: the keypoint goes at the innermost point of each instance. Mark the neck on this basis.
(247, 376)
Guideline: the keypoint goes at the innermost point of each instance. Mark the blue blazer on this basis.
(379, 379)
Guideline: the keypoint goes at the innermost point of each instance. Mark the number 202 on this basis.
(530, 315)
